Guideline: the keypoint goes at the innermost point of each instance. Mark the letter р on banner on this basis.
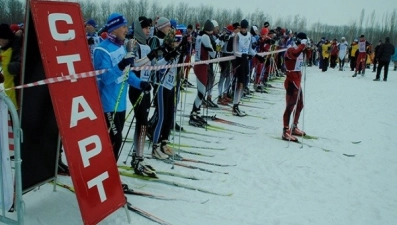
(77, 106)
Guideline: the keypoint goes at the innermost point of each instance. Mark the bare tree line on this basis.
(373, 27)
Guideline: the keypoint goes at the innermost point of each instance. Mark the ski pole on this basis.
(304, 97)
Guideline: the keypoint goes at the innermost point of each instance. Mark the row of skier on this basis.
(164, 45)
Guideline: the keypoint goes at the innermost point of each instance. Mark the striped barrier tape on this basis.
(98, 72)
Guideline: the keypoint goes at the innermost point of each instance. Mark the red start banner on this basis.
(64, 50)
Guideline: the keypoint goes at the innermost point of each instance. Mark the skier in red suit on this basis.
(294, 96)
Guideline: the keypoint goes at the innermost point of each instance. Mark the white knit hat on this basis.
(215, 23)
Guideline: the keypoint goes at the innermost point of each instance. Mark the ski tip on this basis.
(356, 142)
(349, 155)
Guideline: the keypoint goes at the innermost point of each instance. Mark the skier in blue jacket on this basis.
(111, 54)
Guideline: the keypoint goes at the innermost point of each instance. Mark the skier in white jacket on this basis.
(342, 46)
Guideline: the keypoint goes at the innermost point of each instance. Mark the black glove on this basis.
(91, 41)
(249, 57)
(168, 56)
(152, 54)
(145, 86)
(125, 62)
(261, 59)
(244, 56)
(224, 37)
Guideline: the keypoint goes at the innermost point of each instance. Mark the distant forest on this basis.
(386, 25)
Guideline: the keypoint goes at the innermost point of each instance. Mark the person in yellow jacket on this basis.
(10, 55)
(352, 54)
(325, 53)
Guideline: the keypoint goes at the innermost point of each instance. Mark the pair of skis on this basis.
(130, 207)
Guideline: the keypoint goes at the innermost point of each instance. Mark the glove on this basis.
(145, 86)
(244, 56)
(261, 59)
(249, 57)
(90, 41)
(224, 37)
(152, 54)
(125, 62)
(304, 41)
(168, 56)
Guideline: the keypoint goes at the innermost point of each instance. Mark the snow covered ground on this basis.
(274, 182)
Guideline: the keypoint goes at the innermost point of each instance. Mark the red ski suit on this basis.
(294, 97)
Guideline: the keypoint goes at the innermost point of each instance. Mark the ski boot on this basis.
(237, 111)
(141, 168)
(297, 132)
(157, 153)
(167, 149)
(287, 135)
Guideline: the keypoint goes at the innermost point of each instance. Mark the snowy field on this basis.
(330, 181)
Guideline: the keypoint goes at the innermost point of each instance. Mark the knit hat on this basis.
(361, 36)
(264, 31)
(115, 20)
(208, 26)
(190, 27)
(173, 23)
(230, 28)
(355, 40)
(197, 25)
(236, 25)
(215, 23)
(178, 36)
(144, 21)
(343, 38)
(255, 29)
(14, 28)
(6, 32)
(92, 23)
(272, 32)
(387, 39)
(244, 23)
(266, 24)
(162, 22)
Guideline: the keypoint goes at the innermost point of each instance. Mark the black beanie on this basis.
(266, 24)
(208, 26)
(387, 39)
(6, 32)
(144, 21)
(244, 23)
(236, 25)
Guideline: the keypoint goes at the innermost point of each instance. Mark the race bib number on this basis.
(169, 79)
(145, 75)
(361, 46)
(299, 63)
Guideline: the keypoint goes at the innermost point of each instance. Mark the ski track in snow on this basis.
(274, 182)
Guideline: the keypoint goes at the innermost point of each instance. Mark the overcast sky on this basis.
(333, 12)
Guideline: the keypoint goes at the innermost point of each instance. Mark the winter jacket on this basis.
(11, 64)
(107, 56)
(377, 50)
(353, 50)
(325, 50)
(386, 50)
(394, 57)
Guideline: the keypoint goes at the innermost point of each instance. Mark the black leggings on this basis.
(115, 124)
